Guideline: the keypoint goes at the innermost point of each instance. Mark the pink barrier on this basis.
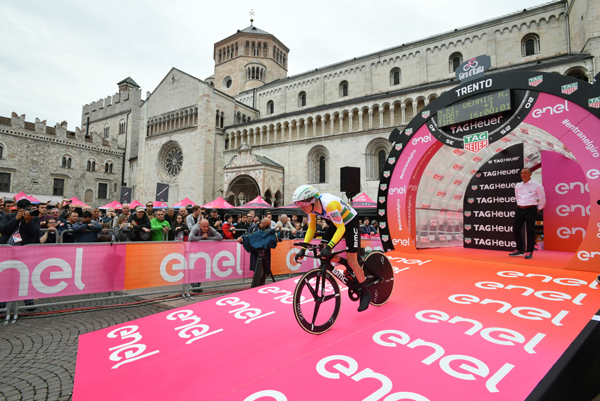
(61, 270)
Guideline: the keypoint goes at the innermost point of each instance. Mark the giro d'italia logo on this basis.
(398, 146)
(408, 131)
(476, 142)
(568, 89)
(594, 102)
(383, 187)
(425, 114)
(386, 173)
(535, 81)
(381, 212)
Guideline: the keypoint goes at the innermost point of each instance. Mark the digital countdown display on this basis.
(492, 103)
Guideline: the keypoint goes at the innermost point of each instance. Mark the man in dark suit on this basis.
(20, 228)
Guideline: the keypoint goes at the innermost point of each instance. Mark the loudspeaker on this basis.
(350, 180)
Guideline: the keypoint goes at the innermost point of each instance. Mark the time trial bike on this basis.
(317, 297)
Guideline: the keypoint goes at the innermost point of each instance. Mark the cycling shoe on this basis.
(364, 301)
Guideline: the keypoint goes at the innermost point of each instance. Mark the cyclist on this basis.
(345, 224)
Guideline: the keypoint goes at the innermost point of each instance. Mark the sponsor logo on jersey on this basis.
(569, 88)
(336, 217)
(535, 81)
(594, 102)
(476, 142)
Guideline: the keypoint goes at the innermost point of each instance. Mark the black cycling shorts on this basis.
(352, 234)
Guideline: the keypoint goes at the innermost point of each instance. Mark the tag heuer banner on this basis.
(476, 142)
(162, 192)
(490, 203)
(125, 195)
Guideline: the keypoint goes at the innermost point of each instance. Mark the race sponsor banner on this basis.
(403, 187)
(579, 131)
(476, 142)
(566, 215)
(490, 202)
(45, 271)
(472, 327)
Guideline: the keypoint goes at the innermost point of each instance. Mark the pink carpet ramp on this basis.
(453, 330)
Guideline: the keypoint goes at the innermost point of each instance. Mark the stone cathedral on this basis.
(249, 129)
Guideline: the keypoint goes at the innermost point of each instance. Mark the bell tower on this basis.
(248, 59)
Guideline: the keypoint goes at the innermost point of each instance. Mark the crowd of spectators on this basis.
(23, 223)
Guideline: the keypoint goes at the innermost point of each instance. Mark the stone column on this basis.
(371, 118)
(403, 108)
(392, 122)
(314, 124)
(360, 123)
(381, 111)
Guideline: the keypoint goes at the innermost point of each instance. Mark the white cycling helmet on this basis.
(305, 194)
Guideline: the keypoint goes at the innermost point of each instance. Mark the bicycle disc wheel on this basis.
(317, 301)
(379, 271)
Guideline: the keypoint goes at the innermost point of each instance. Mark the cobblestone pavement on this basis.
(38, 352)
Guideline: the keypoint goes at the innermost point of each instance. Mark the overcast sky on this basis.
(56, 56)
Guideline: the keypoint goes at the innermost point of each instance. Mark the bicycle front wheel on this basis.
(317, 301)
(380, 277)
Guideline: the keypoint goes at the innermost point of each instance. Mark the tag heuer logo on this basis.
(476, 142)
(383, 187)
(478, 175)
(425, 114)
(386, 174)
(381, 199)
(392, 160)
(385, 238)
(568, 89)
(535, 81)
(408, 131)
(381, 212)
(398, 146)
(382, 225)
(468, 213)
(474, 187)
(594, 102)
(471, 200)
(467, 227)
(490, 162)
(468, 240)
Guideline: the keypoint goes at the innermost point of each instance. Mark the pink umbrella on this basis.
(218, 203)
(135, 204)
(32, 199)
(21, 195)
(183, 203)
(363, 201)
(113, 204)
(159, 205)
(77, 202)
(257, 202)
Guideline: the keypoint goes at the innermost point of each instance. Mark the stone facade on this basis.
(41, 160)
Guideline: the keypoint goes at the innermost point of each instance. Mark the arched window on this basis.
(318, 164)
(376, 152)
(1, 151)
(222, 119)
(270, 107)
(68, 162)
(455, 60)
(577, 72)
(217, 118)
(89, 165)
(121, 127)
(530, 45)
(322, 169)
(344, 88)
(395, 77)
(106, 131)
(302, 99)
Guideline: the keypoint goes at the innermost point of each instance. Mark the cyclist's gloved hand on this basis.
(325, 252)
(300, 254)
